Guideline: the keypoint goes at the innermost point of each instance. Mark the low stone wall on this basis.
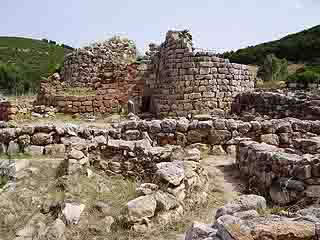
(242, 219)
(7, 110)
(280, 173)
(278, 105)
(205, 129)
(171, 179)
(115, 87)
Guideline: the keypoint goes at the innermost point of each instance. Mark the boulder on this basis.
(165, 201)
(171, 172)
(141, 208)
(41, 139)
(192, 155)
(72, 212)
(242, 203)
(200, 231)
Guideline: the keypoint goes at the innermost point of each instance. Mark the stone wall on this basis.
(106, 96)
(281, 174)
(174, 79)
(224, 133)
(171, 179)
(7, 110)
(278, 104)
(184, 81)
(95, 79)
(241, 218)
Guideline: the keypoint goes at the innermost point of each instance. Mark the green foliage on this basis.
(273, 69)
(302, 46)
(3, 181)
(32, 58)
(14, 79)
(305, 76)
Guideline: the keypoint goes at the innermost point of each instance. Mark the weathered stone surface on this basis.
(171, 172)
(165, 201)
(140, 208)
(192, 155)
(271, 139)
(285, 190)
(147, 189)
(200, 231)
(76, 154)
(242, 203)
(285, 230)
(72, 212)
(41, 139)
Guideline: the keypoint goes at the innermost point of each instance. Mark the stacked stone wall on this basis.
(278, 105)
(106, 96)
(7, 110)
(176, 78)
(189, 82)
(214, 132)
(284, 176)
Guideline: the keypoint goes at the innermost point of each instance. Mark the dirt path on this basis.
(226, 185)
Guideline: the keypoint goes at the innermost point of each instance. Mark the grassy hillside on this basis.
(299, 47)
(32, 59)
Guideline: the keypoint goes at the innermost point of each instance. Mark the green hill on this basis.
(30, 59)
(299, 47)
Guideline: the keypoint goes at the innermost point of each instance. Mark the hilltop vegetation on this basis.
(299, 47)
(23, 62)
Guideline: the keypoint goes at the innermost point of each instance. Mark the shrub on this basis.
(273, 69)
(304, 77)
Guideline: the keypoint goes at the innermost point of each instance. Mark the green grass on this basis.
(16, 156)
(303, 46)
(36, 58)
(3, 181)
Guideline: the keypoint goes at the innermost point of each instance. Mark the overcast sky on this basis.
(220, 25)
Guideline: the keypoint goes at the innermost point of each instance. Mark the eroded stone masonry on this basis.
(175, 80)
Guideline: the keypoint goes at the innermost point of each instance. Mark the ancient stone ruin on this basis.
(272, 139)
(175, 80)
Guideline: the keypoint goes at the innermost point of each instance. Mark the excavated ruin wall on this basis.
(128, 147)
(277, 105)
(96, 79)
(284, 176)
(221, 132)
(113, 89)
(176, 78)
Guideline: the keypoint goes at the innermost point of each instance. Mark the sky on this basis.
(216, 25)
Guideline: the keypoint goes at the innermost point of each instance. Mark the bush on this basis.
(305, 77)
(273, 69)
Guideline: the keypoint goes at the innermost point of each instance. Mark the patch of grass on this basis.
(23, 116)
(3, 181)
(15, 156)
(275, 210)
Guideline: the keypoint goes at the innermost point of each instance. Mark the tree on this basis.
(13, 79)
(273, 69)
